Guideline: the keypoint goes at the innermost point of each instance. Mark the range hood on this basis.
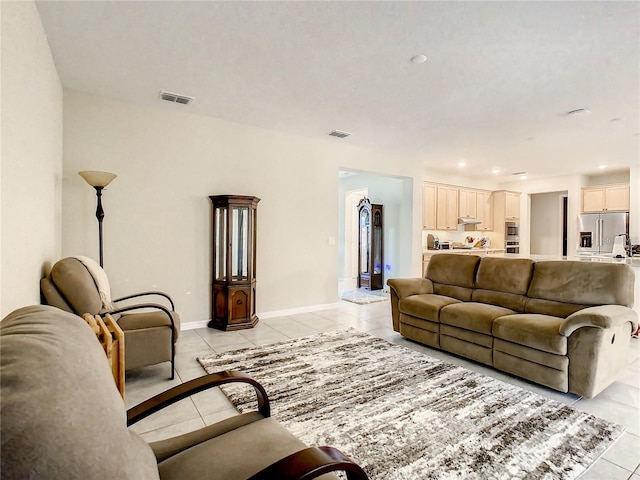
(468, 221)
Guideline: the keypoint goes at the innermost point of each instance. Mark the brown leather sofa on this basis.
(562, 324)
(62, 417)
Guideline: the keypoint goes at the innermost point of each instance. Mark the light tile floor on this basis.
(619, 403)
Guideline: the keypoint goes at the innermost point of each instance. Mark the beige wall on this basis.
(31, 156)
(157, 215)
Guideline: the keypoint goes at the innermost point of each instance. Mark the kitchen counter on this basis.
(474, 250)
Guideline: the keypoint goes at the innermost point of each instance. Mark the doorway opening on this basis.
(548, 220)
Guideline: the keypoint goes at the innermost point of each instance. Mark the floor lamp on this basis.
(98, 180)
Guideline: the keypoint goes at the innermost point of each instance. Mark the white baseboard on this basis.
(264, 315)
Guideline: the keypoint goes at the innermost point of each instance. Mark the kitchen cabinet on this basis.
(429, 206)
(506, 207)
(606, 198)
(467, 203)
(484, 208)
(446, 207)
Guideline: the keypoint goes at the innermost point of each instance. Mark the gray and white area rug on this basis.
(401, 414)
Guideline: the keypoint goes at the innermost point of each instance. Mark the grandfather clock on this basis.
(370, 245)
(233, 305)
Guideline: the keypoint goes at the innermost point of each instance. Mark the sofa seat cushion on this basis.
(425, 306)
(477, 317)
(532, 330)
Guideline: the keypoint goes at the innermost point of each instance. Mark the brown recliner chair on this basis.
(150, 329)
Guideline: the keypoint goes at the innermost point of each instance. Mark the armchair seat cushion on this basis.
(474, 316)
(425, 306)
(242, 452)
(532, 330)
(151, 319)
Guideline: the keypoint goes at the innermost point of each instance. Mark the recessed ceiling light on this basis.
(578, 111)
(603, 166)
(419, 59)
(461, 164)
(523, 177)
(495, 171)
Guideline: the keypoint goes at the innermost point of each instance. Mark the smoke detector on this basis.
(176, 98)
(339, 134)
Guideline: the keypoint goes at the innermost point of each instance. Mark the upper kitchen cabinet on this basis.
(606, 198)
(506, 206)
(429, 206)
(467, 203)
(484, 209)
(446, 207)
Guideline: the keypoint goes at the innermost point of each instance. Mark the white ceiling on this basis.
(494, 91)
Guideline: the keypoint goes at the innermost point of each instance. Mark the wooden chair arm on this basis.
(184, 390)
(311, 463)
(142, 294)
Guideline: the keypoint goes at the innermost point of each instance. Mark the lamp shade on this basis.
(97, 179)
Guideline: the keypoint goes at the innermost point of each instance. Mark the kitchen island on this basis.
(482, 251)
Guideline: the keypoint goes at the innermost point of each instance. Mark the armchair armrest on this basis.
(184, 390)
(311, 463)
(603, 316)
(140, 306)
(142, 294)
(410, 286)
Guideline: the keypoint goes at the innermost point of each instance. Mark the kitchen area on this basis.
(591, 223)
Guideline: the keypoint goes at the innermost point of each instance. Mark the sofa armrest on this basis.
(184, 390)
(410, 286)
(404, 287)
(603, 316)
(311, 463)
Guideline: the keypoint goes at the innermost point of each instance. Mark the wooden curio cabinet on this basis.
(370, 261)
(233, 291)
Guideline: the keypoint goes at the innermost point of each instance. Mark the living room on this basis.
(170, 158)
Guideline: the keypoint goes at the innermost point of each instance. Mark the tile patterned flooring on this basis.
(619, 403)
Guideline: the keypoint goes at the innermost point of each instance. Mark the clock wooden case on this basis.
(370, 258)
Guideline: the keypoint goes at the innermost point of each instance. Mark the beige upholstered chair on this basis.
(63, 418)
(79, 285)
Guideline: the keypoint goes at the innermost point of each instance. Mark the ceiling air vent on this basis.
(339, 134)
(176, 98)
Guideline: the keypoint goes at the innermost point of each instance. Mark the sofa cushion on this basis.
(509, 275)
(425, 306)
(477, 317)
(453, 269)
(512, 301)
(586, 283)
(550, 307)
(532, 330)
(52, 363)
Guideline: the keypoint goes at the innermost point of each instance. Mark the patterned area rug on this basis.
(404, 415)
(361, 297)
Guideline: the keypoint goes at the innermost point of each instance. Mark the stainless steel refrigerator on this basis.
(597, 231)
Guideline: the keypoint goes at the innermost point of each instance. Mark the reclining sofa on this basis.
(563, 324)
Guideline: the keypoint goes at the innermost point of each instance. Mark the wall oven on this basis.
(511, 237)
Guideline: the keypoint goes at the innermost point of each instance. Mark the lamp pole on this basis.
(100, 217)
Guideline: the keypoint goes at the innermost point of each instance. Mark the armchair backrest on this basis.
(71, 287)
(62, 415)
